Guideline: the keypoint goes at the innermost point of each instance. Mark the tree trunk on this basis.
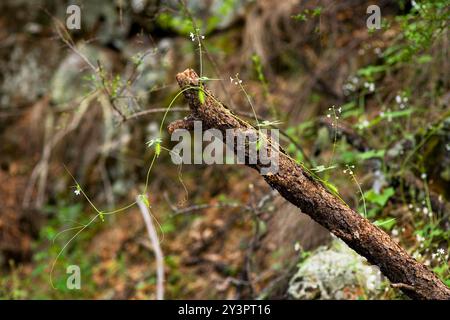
(305, 192)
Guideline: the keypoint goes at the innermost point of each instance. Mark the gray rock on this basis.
(23, 78)
(336, 272)
(71, 79)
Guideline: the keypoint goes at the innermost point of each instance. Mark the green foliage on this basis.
(182, 24)
(380, 199)
(386, 224)
(307, 14)
(201, 94)
(156, 143)
(371, 71)
(420, 27)
(259, 71)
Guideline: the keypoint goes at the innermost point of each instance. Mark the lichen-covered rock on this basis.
(336, 272)
(72, 78)
(151, 65)
(22, 78)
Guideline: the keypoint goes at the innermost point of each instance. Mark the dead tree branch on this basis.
(152, 234)
(308, 194)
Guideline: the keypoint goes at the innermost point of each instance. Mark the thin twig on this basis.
(156, 110)
(156, 248)
(197, 207)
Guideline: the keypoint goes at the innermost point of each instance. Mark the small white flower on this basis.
(349, 169)
(425, 211)
(417, 255)
(192, 36)
(349, 87)
(398, 99)
(231, 79)
(297, 246)
(370, 86)
(423, 176)
(395, 232)
(441, 251)
(77, 192)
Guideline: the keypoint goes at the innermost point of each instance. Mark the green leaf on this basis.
(168, 227)
(157, 143)
(331, 187)
(386, 224)
(300, 17)
(258, 144)
(424, 59)
(145, 200)
(322, 168)
(371, 70)
(398, 114)
(380, 199)
(371, 154)
(201, 95)
(204, 78)
(158, 149)
(267, 123)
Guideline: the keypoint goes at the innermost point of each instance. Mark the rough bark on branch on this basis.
(299, 188)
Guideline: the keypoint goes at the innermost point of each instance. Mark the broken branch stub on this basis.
(308, 194)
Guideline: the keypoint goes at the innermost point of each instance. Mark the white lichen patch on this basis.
(335, 272)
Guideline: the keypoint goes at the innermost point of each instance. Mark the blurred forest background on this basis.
(342, 94)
